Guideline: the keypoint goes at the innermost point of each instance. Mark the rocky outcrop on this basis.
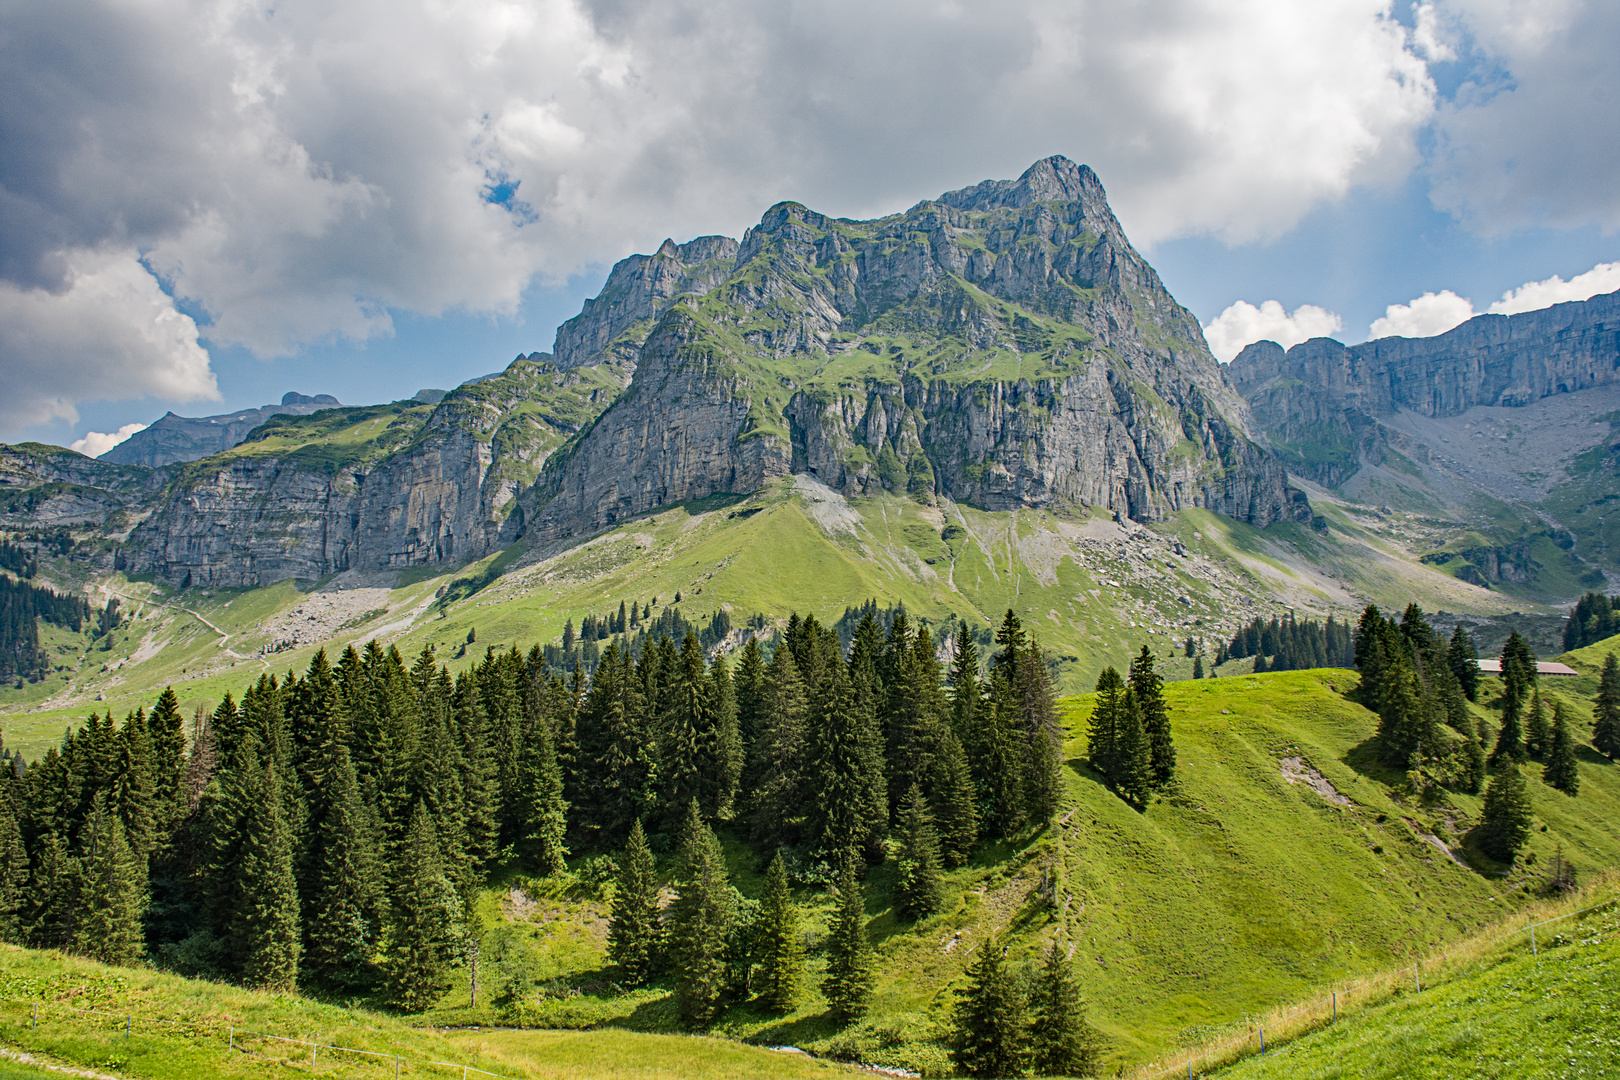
(47, 487)
(1008, 333)
(175, 438)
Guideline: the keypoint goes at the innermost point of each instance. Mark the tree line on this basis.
(1292, 644)
(22, 605)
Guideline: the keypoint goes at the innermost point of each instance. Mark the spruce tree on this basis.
(13, 860)
(1510, 740)
(423, 915)
(269, 912)
(1606, 714)
(1148, 689)
(1198, 667)
(1561, 771)
(700, 921)
(779, 757)
(1472, 777)
(1102, 747)
(918, 885)
(635, 936)
(343, 911)
(686, 732)
(1537, 736)
(543, 842)
(107, 926)
(51, 904)
(780, 944)
(1505, 824)
(1042, 732)
(1062, 1041)
(957, 815)
(848, 984)
(1133, 769)
(1463, 659)
(990, 1024)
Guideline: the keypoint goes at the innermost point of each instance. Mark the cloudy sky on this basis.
(204, 203)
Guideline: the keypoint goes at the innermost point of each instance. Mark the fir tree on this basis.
(1505, 824)
(1561, 771)
(1606, 714)
(1133, 769)
(700, 921)
(423, 915)
(1198, 667)
(269, 911)
(1103, 746)
(1537, 736)
(1148, 689)
(543, 842)
(1463, 659)
(13, 861)
(1472, 777)
(780, 945)
(1509, 740)
(990, 1028)
(957, 815)
(110, 901)
(344, 908)
(1042, 733)
(51, 908)
(634, 932)
(778, 759)
(848, 984)
(1062, 1041)
(917, 884)
(687, 723)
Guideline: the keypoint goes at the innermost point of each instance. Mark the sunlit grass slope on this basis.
(1240, 892)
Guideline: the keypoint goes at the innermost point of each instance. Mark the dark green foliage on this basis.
(779, 944)
(21, 605)
(13, 861)
(1471, 776)
(269, 913)
(1505, 824)
(424, 912)
(1147, 687)
(1406, 715)
(343, 914)
(635, 936)
(111, 894)
(1606, 711)
(1198, 667)
(1062, 1041)
(778, 760)
(1561, 771)
(1463, 658)
(1292, 644)
(700, 922)
(848, 984)
(1102, 748)
(1133, 766)
(1537, 736)
(990, 1037)
(956, 811)
(918, 880)
(1595, 617)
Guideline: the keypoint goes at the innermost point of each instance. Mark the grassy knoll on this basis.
(1513, 1014)
(1240, 892)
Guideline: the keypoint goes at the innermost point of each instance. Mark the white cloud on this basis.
(1429, 314)
(1602, 278)
(1243, 324)
(299, 170)
(96, 443)
(1428, 36)
(109, 334)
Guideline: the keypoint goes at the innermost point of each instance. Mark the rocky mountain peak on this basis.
(1055, 179)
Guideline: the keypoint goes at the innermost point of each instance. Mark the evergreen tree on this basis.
(51, 905)
(917, 884)
(1062, 1041)
(1537, 736)
(635, 936)
(107, 926)
(957, 814)
(840, 769)
(1042, 732)
(1505, 824)
(1509, 740)
(848, 984)
(343, 911)
(1606, 714)
(13, 860)
(1133, 769)
(778, 760)
(780, 945)
(990, 1035)
(423, 915)
(1103, 746)
(1405, 716)
(686, 727)
(1147, 687)
(751, 690)
(269, 911)
(1198, 667)
(1463, 659)
(543, 842)
(1561, 771)
(700, 921)
(1472, 778)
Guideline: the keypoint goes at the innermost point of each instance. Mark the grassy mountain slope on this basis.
(1242, 892)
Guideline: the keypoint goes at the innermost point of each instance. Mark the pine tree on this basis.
(990, 1019)
(917, 884)
(1148, 689)
(780, 944)
(269, 911)
(1505, 824)
(50, 907)
(1133, 768)
(424, 911)
(343, 912)
(848, 984)
(700, 921)
(108, 923)
(1103, 746)
(634, 932)
(1606, 714)
(1510, 740)
(1198, 667)
(1463, 658)
(1062, 1041)
(1042, 733)
(957, 814)
(1537, 737)
(1473, 763)
(543, 842)
(778, 760)
(1561, 771)
(686, 725)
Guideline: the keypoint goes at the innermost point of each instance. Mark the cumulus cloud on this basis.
(1243, 324)
(1602, 278)
(96, 443)
(297, 171)
(109, 333)
(1429, 314)
(1532, 137)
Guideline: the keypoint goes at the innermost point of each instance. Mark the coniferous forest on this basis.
(330, 829)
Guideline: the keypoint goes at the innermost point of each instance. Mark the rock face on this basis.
(47, 487)
(1318, 402)
(188, 438)
(1004, 345)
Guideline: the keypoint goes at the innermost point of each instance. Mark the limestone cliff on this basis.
(173, 438)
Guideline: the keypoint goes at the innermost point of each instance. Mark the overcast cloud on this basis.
(296, 173)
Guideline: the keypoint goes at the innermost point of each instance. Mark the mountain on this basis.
(1499, 432)
(173, 438)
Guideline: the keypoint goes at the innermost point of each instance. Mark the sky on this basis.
(207, 203)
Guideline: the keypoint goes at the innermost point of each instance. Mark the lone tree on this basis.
(634, 933)
(1606, 719)
(1505, 825)
(781, 949)
(1561, 771)
(1063, 1042)
(990, 1019)
(848, 984)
